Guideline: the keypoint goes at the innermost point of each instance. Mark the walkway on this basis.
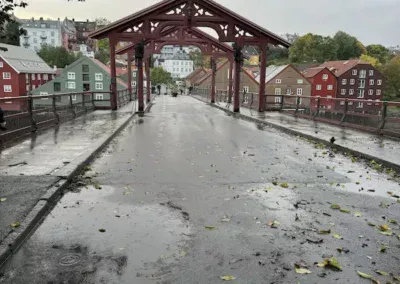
(186, 195)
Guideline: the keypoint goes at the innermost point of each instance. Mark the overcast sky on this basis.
(371, 21)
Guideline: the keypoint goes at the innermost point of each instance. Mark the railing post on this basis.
(93, 104)
(30, 111)
(71, 105)
(83, 102)
(252, 100)
(297, 104)
(55, 109)
(384, 115)
(318, 107)
(346, 106)
(282, 99)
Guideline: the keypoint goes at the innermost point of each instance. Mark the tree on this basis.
(371, 60)
(391, 72)
(380, 52)
(160, 76)
(103, 45)
(313, 48)
(9, 27)
(197, 58)
(348, 46)
(57, 56)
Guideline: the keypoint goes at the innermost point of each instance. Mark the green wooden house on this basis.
(85, 74)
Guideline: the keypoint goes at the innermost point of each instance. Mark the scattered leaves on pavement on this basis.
(358, 214)
(335, 206)
(228, 278)
(210, 228)
(367, 276)
(380, 272)
(330, 262)
(384, 228)
(343, 210)
(15, 225)
(3, 199)
(324, 232)
(274, 224)
(102, 230)
(383, 248)
(336, 236)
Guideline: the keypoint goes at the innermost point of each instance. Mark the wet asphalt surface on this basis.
(185, 166)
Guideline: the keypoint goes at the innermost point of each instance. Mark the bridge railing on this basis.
(381, 117)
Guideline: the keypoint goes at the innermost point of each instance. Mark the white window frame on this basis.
(351, 92)
(371, 72)
(362, 83)
(342, 103)
(299, 91)
(344, 81)
(33, 77)
(43, 94)
(350, 103)
(343, 92)
(325, 77)
(71, 85)
(278, 91)
(278, 100)
(98, 77)
(278, 81)
(7, 88)
(360, 96)
(8, 77)
(73, 97)
(45, 77)
(246, 88)
(288, 91)
(99, 86)
(300, 81)
(371, 82)
(27, 88)
(71, 75)
(352, 81)
(354, 72)
(329, 87)
(363, 73)
(318, 87)
(378, 92)
(379, 82)
(370, 92)
(360, 105)
(134, 74)
(1, 64)
(99, 97)
(133, 83)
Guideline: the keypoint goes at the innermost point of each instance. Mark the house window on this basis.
(342, 103)
(371, 72)
(371, 82)
(360, 94)
(57, 86)
(299, 91)
(52, 33)
(71, 85)
(300, 81)
(370, 92)
(73, 97)
(278, 81)
(99, 76)
(370, 104)
(378, 92)
(33, 87)
(27, 87)
(360, 105)
(134, 74)
(354, 71)
(6, 75)
(344, 81)
(99, 86)
(71, 75)
(45, 77)
(288, 91)
(351, 92)
(133, 83)
(1, 64)
(319, 87)
(343, 92)
(43, 94)
(85, 68)
(33, 77)
(277, 100)
(99, 97)
(246, 89)
(7, 89)
(379, 82)
(325, 77)
(85, 77)
(362, 84)
(363, 73)
(278, 91)
(352, 81)
(330, 87)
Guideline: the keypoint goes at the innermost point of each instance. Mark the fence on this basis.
(29, 115)
(380, 117)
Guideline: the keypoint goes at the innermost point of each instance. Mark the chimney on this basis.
(55, 68)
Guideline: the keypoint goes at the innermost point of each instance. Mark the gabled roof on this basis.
(271, 72)
(24, 60)
(311, 72)
(305, 66)
(107, 69)
(209, 72)
(340, 67)
(194, 73)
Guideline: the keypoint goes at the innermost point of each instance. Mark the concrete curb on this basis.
(340, 148)
(48, 201)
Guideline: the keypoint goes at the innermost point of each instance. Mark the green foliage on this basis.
(380, 52)
(160, 76)
(9, 27)
(102, 56)
(348, 46)
(197, 58)
(57, 56)
(277, 55)
(391, 72)
(313, 48)
(371, 60)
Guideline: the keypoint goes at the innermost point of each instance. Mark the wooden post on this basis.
(213, 73)
(113, 99)
(263, 67)
(230, 87)
(148, 64)
(236, 99)
(139, 54)
(130, 55)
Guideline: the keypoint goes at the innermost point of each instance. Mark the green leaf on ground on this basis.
(398, 236)
(392, 221)
(274, 224)
(358, 182)
(383, 248)
(367, 276)
(210, 228)
(371, 224)
(97, 186)
(275, 183)
(358, 214)
(102, 230)
(336, 236)
(3, 199)
(285, 185)
(380, 272)
(332, 262)
(335, 206)
(324, 232)
(384, 228)
(343, 210)
(302, 271)
(15, 225)
(383, 204)
(397, 278)
(387, 233)
(228, 278)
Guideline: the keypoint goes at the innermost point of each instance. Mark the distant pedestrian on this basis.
(181, 92)
(2, 121)
(159, 89)
(190, 90)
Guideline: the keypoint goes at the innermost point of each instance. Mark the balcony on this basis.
(43, 36)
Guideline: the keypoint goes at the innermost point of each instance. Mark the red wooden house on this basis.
(21, 70)
(324, 85)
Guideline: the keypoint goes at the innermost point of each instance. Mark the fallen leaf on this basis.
(15, 225)
(371, 224)
(358, 182)
(274, 183)
(383, 204)
(97, 186)
(300, 264)
(284, 185)
(332, 262)
(336, 236)
(225, 219)
(274, 224)
(302, 271)
(335, 206)
(390, 193)
(384, 228)
(367, 276)
(210, 227)
(392, 221)
(343, 210)
(358, 214)
(386, 233)
(397, 278)
(228, 278)
(102, 230)
(3, 199)
(383, 248)
(382, 273)
(324, 232)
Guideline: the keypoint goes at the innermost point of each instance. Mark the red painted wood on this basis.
(148, 80)
(230, 93)
(130, 56)
(140, 84)
(113, 87)
(236, 99)
(263, 67)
